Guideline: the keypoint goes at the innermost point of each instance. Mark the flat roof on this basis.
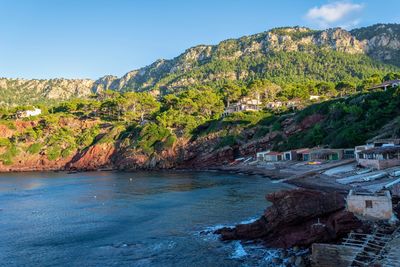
(379, 150)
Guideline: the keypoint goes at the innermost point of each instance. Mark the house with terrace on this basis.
(380, 154)
(386, 84)
(244, 104)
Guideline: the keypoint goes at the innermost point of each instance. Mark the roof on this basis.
(379, 150)
(385, 193)
(274, 153)
(303, 150)
(395, 141)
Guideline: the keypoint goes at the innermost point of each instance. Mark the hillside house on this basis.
(385, 85)
(244, 104)
(370, 205)
(274, 105)
(279, 104)
(28, 113)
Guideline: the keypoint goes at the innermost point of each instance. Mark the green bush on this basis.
(34, 148)
(154, 137)
(4, 142)
(7, 157)
(66, 152)
(87, 137)
(53, 152)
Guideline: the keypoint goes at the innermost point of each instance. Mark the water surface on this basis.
(127, 219)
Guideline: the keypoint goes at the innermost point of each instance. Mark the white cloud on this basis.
(335, 14)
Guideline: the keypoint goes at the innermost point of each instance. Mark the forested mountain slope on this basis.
(282, 55)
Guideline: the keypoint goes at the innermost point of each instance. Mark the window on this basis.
(368, 204)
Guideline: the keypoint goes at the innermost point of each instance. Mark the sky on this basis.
(92, 38)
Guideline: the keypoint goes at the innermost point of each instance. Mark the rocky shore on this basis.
(298, 217)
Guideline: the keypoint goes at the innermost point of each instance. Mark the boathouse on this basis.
(261, 155)
(327, 154)
(303, 154)
(290, 155)
(274, 156)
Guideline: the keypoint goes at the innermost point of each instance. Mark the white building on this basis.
(28, 113)
(244, 104)
(274, 105)
(314, 97)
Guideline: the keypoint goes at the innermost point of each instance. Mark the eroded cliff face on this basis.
(382, 42)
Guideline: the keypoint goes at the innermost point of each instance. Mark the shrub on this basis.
(34, 148)
(229, 140)
(10, 124)
(53, 152)
(7, 157)
(4, 142)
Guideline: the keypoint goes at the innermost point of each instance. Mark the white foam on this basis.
(251, 220)
(239, 251)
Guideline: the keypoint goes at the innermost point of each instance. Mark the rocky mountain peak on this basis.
(382, 41)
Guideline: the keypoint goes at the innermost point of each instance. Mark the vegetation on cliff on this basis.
(142, 124)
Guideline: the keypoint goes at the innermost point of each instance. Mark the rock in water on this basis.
(297, 217)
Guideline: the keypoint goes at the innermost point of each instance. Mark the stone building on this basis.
(370, 205)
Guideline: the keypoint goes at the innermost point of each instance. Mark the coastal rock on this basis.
(93, 158)
(297, 217)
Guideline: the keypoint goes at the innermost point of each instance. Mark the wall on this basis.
(381, 206)
(326, 255)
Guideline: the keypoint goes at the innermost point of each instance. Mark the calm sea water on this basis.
(128, 219)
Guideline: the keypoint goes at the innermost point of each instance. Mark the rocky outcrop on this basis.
(258, 45)
(35, 90)
(382, 41)
(297, 217)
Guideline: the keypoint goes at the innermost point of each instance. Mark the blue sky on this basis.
(89, 39)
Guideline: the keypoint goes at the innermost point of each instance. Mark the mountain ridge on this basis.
(261, 55)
